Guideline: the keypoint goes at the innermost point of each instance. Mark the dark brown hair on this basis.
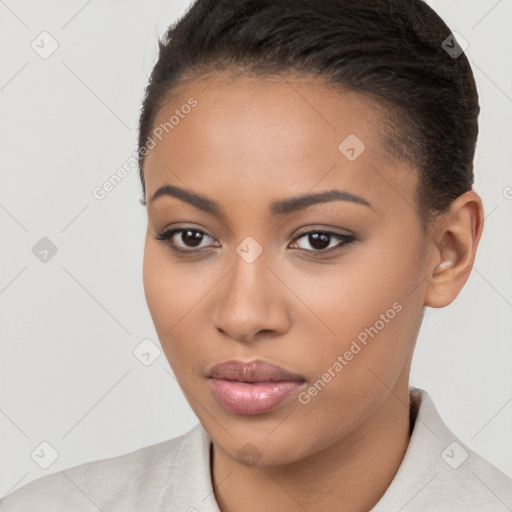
(397, 51)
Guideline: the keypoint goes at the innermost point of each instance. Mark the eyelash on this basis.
(346, 240)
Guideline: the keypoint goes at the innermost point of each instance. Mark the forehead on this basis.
(278, 136)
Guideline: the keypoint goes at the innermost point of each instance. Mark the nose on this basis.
(251, 303)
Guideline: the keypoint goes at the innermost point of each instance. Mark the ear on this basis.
(455, 239)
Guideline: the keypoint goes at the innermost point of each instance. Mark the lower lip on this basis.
(252, 398)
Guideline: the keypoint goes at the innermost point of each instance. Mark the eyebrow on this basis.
(281, 207)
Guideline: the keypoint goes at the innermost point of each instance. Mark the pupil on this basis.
(319, 240)
(192, 238)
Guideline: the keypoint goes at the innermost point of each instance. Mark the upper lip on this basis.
(252, 371)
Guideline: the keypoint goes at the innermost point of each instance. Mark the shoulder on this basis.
(440, 473)
(470, 482)
(132, 481)
(463, 480)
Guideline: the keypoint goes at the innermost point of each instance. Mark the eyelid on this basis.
(319, 228)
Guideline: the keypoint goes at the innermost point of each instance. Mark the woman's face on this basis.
(331, 290)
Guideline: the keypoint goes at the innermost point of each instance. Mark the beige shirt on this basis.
(438, 473)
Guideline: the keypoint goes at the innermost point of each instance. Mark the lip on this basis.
(252, 371)
(252, 388)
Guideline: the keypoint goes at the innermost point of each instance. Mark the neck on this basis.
(351, 475)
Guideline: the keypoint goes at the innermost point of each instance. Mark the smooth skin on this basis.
(249, 143)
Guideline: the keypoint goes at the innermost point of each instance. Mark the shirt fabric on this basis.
(438, 473)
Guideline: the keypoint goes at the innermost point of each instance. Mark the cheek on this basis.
(170, 288)
(375, 320)
(366, 308)
(174, 293)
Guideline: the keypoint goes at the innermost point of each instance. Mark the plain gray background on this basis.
(69, 326)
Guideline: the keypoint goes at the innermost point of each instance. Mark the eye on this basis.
(188, 240)
(320, 241)
(185, 240)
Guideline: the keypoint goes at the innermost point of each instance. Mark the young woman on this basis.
(304, 207)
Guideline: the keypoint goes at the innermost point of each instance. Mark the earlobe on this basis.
(455, 240)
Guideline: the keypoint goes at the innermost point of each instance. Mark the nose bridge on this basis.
(248, 302)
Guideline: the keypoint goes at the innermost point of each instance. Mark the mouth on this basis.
(252, 372)
(252, 388)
